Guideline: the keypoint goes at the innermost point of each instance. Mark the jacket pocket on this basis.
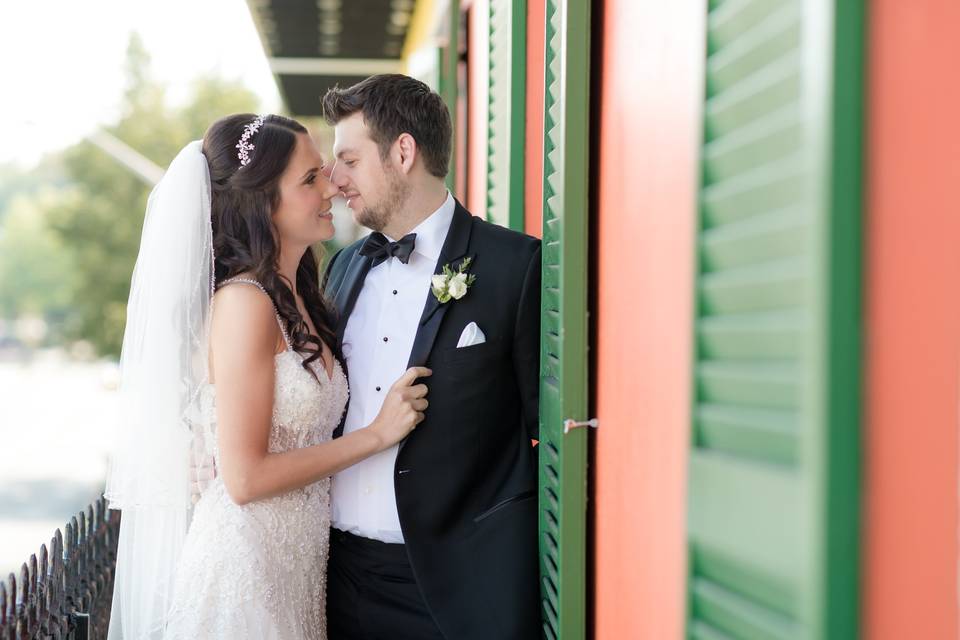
(505, 503)
(473, 353)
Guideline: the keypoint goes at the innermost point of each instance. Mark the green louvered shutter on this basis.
(774, 465)
(506, 110)
(563, 386)
(448, 63)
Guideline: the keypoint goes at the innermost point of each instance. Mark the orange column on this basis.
(913, 321)
(478, 74)
(533, 156)
(650, 97)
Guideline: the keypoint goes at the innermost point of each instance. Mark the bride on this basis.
(230, 352)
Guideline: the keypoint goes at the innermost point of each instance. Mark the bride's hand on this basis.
(402, 409)
(203, 470)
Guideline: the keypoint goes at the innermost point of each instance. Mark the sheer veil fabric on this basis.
(163, 366)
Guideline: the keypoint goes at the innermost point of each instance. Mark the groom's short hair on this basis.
(393, 104)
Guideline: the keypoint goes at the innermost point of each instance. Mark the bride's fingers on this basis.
(419, 404)
(419, 391)
(412, 374)
(412, 393)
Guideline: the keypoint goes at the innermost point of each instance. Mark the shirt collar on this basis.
(432, 232)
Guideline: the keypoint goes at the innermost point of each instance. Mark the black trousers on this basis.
(372, 594)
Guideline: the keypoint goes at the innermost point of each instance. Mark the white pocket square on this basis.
(471, 335)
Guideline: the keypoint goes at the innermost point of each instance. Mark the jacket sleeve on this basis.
(526, 346)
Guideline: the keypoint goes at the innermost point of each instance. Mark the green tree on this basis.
(36, 270)
(16, 182)
(100, 228)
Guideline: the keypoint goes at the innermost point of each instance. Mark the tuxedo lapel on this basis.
(454, 250)
(344, 300)
(346, 296)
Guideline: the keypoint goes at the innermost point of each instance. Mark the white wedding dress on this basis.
(258, 571)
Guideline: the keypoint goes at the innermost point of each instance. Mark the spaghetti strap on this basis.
(283, 330)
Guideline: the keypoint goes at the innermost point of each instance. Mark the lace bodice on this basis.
(259, 570)
(300, 407)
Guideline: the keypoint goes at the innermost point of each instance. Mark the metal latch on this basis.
(570, 424)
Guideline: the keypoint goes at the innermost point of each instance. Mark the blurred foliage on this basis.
(70, 254)
(35, 268)
(15, 183)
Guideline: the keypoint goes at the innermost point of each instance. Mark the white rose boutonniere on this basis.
(452, 285)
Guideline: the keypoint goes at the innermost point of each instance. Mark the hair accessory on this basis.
(244, 145)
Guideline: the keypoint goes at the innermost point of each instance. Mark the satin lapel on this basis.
(454, 250)
(344, 300)
(346, 296)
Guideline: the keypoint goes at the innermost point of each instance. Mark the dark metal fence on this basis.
(67, 591)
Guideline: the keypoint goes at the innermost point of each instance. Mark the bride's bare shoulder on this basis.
(244, 315)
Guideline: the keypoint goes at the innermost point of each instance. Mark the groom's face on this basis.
(373, 186)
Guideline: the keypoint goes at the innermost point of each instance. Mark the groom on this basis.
(435, 538)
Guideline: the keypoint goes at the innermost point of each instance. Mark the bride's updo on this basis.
(245, 239)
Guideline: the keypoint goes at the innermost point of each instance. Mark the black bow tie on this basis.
(379, 248)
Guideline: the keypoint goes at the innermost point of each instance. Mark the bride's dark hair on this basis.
(245, 240)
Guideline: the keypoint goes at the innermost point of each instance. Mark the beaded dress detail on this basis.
(259, 570)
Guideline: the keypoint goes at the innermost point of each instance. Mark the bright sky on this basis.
(61, 61)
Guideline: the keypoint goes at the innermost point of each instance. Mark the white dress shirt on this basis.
(377, 342)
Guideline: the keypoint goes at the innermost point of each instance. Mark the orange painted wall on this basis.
(913, 321)
(650, 113)
(477, 78)
(533, 146)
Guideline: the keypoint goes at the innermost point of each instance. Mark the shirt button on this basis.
(378, 388)
(394, 292)
(386, 339)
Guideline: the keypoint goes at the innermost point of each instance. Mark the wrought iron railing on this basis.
(65, 592)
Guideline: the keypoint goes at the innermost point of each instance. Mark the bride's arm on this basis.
(244, 342)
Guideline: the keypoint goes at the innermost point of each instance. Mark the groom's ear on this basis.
(407, 149)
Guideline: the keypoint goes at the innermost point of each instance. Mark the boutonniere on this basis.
(452, 285)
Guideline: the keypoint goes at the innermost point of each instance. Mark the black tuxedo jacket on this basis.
(466, 478)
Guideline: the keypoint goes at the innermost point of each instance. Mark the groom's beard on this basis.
(376, 217)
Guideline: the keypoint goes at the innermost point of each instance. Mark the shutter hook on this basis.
(570, 424)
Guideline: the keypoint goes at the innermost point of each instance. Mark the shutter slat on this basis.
(739, 616)
(769, 89)
(702, 631)
(769, 435)
(759, 384)
(763, 238)
(731, 18)
(746, 580)
(762, 190)
(765, 287)
(769, 40)
(761, 336)
(762, 141)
